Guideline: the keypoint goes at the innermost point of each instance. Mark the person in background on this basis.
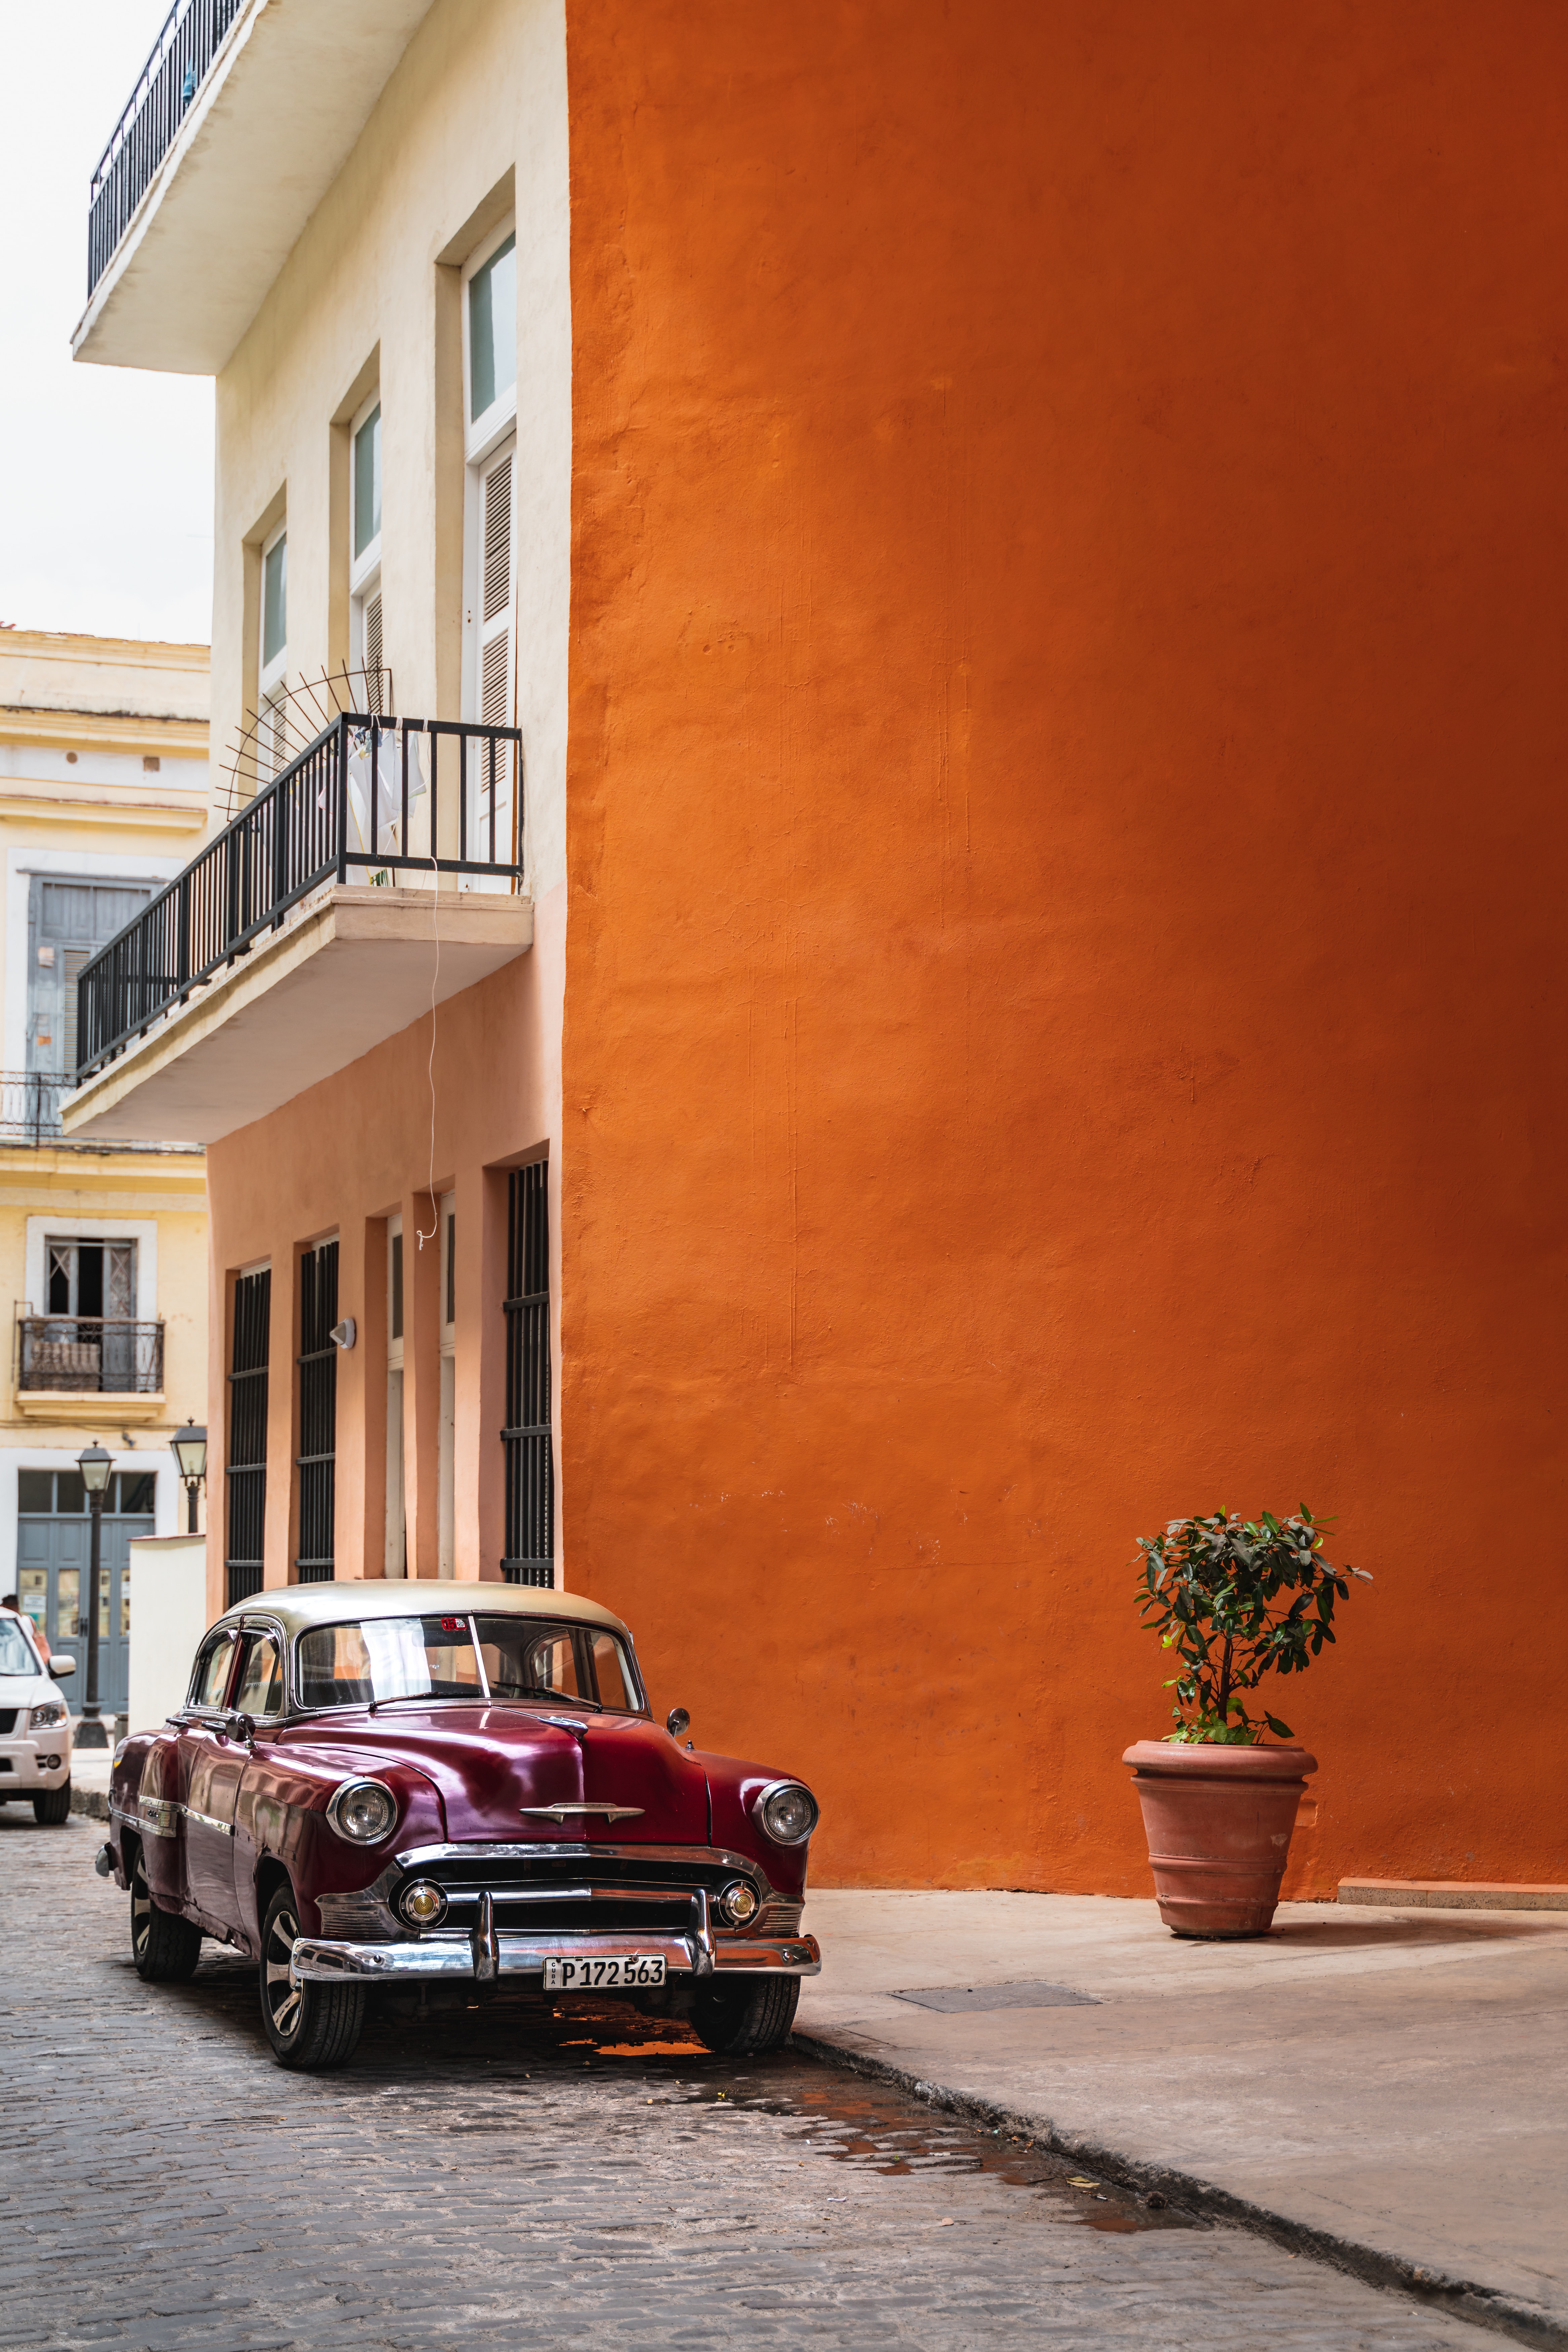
(37, 1631)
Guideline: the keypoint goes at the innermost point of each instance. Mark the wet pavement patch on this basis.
(953, 2000)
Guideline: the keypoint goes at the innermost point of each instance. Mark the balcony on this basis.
(30, 1116)
(241, 118)
(88, 1367)
(306, 931)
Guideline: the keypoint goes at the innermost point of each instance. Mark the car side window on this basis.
(610, 1673)
(211, 1678)
(260, 1689)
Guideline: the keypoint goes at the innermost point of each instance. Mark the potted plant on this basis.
(1236, 1599)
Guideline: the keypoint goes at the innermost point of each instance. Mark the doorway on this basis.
(54, 1534)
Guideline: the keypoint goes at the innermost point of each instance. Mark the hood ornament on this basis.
(562, 1813)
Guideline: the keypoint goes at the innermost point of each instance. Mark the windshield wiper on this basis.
(429, 1699)
(538, 1691)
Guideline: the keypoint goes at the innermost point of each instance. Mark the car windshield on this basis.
(378, 1659)
(15, 1651)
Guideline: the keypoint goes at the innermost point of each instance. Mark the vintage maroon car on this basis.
(406, 1791)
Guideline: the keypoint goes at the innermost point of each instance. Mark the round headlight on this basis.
(423, 1904)
(362, 1811)
(787, 1811)
(739, 1903)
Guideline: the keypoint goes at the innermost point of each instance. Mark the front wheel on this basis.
(309, 2026)
(738, 2020)
(52, 1806)
(164, 1946)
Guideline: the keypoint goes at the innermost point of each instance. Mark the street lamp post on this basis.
(189, 1447)
(95, 1466)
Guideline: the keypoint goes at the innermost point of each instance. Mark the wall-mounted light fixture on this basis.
(343, 1334)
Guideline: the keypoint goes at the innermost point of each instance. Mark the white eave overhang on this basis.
(352, 967)
(272, 125)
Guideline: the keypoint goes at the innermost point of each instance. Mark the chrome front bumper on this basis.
(317, 1960)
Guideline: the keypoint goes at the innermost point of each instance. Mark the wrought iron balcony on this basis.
(379, 799)
(191, 35)
(30, 1117)
(98, 1355)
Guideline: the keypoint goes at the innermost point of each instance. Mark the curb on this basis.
(93, 1803)
(1483, 2307)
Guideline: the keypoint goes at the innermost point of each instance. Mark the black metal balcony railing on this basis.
(191, 35)
(100, 1354)
(363, 796)
(30, 1106)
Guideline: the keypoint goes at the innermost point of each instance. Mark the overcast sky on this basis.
(105, 474)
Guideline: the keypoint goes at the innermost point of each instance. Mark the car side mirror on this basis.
(675, 1722)
(61, 1668)
(244, 1727)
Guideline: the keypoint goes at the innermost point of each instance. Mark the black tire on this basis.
(164, 1946)
(309, 2026)
(52, 1806)
(738, 2020)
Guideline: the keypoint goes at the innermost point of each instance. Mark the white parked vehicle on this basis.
(35, 1724)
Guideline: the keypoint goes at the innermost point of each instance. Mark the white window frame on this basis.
(364, 570)
(65, 1223)
(396, 1545)
(271, 676)
(446, 1445)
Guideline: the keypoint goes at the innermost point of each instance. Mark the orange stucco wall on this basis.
(1064, 991)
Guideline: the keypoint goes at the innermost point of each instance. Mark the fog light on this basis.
(50, 1763)
(739, 1904)
(422, 1905)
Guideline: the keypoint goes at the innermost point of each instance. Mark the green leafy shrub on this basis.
(1236, 1600)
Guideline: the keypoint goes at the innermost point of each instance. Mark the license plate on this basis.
(604, 1975)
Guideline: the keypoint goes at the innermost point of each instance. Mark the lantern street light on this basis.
(95, 1466)
(189, 1447)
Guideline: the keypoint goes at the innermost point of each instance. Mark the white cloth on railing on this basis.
(378, 831)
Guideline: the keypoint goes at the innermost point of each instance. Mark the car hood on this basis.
(27, 1690)
(501, 1771)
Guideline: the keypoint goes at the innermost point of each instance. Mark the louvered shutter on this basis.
(373, 656)
(496, 689)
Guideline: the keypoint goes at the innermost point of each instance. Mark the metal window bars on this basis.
(247, 1466)
(192, 34)
(375, 797)
(317, 1460)
(529, 1556)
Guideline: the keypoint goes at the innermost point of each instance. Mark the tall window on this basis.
(446, 1451)
(273, 742)
(248, 1354)
(365, 557)
(395, 1562)
(490, 441)
(317, 1458)
(529, 1556)
(67, 921)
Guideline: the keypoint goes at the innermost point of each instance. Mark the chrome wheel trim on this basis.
(140, 1911)
(284, 2010)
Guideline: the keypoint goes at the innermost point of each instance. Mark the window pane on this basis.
(368, 481)
(35, 1490)
(493, 329)
(609, 1671)
(71, 1495)
(138, 1492)
(16, 1650)
(388, 1657)
(260, 1689)
(213, 1673)
(275, 605)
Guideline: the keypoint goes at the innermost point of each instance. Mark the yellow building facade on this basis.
(103, 1246)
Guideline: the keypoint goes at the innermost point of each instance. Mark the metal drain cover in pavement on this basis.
(953, 1997)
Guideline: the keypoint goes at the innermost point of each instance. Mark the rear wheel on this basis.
(52, 1806)
(739, 2018)
(164, 1946)
(309, 2026)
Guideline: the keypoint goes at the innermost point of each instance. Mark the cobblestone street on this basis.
(506, 2179)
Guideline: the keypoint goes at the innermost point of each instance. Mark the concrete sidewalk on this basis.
(1390, 2087)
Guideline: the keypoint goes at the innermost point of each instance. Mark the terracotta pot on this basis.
(1218, 1822)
